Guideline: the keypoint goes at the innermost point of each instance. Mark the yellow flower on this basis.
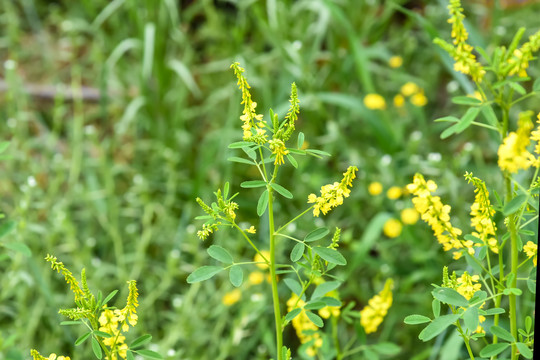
(513, 154)
(232, 297)
(419, 99)
(332, 195)
(531, 250)
(399, 100)
(394, 193)
(392, 228)
(409, 89)
(278, 148)
(255, 278)
(374, 102)
(395, 61)
(375, 188)
(373, 314)
(467, 285)
(305, 329)
(482, 213)
(475, 95)
(37, 356)
(251, 230)
(260, 260)
(409, 216)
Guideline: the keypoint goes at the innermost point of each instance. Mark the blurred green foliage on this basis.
(108, 182)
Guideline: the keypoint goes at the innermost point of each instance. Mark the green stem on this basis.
(294, 219)
(339, 355)
(275, 295)
(514, 265)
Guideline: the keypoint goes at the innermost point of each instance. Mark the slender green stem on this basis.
(513, 264)
(294, 219)
(465, 340)
(339, 355)
(275, 295)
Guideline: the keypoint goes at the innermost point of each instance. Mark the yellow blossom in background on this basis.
(419, 99)
(392, 228)
(512, 153)
(409, 89)
(255, 278)
(531, 250)
(394, 193)
(259, 259)
(374, 102)
(399, 101)
(409, 216)
(395, 61)
(535, 136)
(37, 356)
(373, 314)
(332, 195)
(375, 188)
(232, 297)
(302, 324)
(475, 95)
(328, 311)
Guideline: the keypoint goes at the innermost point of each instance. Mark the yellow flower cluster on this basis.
(305, 329)
(412, 90)
(374, 102)
(467, 285)
(332, 194)
(531, 250)
(482, 214)
(519, 62)
(37, 356)
(373, 314)
(249, 115)
(278, 148)
(68, 276)
(437, 215)
(465, 61)
(512, 153)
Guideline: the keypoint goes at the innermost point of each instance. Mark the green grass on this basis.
(116, 179)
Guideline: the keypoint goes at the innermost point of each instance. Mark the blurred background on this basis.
(119, 114)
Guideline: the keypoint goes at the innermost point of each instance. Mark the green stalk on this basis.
(514, 266)
(275, 295)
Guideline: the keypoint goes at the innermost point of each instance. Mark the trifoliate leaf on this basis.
(502, 333)
(437, 326)
(203, 273)
(316, 319)
(493, 349)
(416, 319)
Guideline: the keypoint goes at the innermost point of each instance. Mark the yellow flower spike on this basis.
(37, 356)
(512, 153)
(278, 148)
(392, 228)
(531, 250)
(395, 61)
(302, 324)
(373, 314)
(68, 276)
(394, 193)
(232, 297)
(375, 188)
(467, 285)
(374, 102)
(332, 195)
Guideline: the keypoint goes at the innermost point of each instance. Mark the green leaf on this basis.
(280, 189)
(447, 119)
(293, 285)
(449, 131)
(467, 119)
(450, 296)
(240, 160)
(253, 184)
(514, 291)
(524, 350)
(536, 85)
(293, 161)
(330, 301)
(494, 311)
(220, 254)
(325, 288)
(140, 341)
(493, 349)
(203, 273)
(466, 100)
(416, 319)
(386, 348)
(226, 190)
(292, 314)
(513, 205)
(7, 227)
(330, 255)
(129, 356)
(470, 317)
(316, 319)
(3, 146)
(437, 326)
(71, 322)
(316, 234)
(149, 354)
(300, 141)
(96, 348)
(102, 334)
(509, 278)
(520, 89)
(317, 153)
(436, 307)
(236, 275)
(262, 204)
(314, 305)
(82, 338)
(297, 151)
(502, 333)
(109, 297)
(18, 247)
(489, 115)
(297, 251)
(240, 144)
